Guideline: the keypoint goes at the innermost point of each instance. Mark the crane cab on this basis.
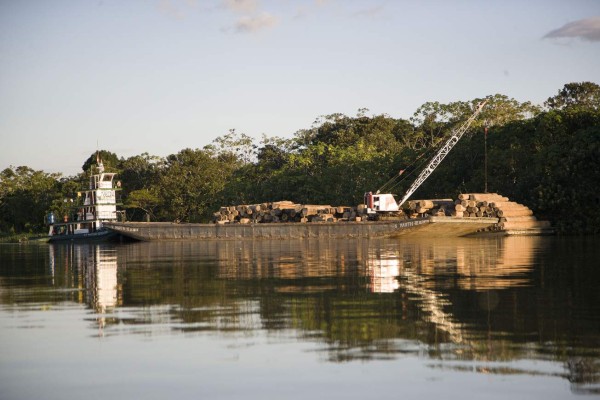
(380, 202)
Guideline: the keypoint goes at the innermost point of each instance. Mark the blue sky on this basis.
(159, 76)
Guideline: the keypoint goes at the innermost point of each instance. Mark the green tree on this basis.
(191, 184)
(67, 194)
(234, 146)
(437, 120)
(584, 95)
(501, 110)
(336, 160)
(110, 161)
(147, 200)
(25, 197)
(139, 172)
(567, 170)
(462, 170)
(379, 133)
(258, 181)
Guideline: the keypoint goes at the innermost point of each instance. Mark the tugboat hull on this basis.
(98, 236)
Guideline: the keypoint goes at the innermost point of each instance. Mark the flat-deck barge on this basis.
(431, 226)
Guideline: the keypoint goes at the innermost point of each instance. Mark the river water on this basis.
(515, 317)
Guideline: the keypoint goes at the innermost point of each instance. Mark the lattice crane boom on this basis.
(443, 152)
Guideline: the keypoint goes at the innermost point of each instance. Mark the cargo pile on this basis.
(288, 211)
(484, 205)
(436, 207)
(511, 215)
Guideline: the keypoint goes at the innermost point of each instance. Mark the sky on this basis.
(158, 76)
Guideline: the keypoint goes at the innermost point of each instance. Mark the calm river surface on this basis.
(499, 318)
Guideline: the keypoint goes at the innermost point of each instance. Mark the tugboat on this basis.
(93, 207)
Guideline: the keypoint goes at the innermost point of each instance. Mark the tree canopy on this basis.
(584, 95)
(109, 160)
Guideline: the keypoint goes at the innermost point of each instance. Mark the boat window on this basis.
(107, 178)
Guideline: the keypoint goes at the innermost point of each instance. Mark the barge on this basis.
(431, 226)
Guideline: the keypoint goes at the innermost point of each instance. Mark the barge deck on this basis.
(431, 226)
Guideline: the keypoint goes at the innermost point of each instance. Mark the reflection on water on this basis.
(461, 304)
(90, 268)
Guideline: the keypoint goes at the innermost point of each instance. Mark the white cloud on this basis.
(241, 6)
(586, 29)
(256, 23)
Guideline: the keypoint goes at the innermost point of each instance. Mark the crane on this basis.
(385, 202)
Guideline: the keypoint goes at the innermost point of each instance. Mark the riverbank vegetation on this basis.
(547, 157)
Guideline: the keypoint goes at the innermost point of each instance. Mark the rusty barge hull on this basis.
(427, 227)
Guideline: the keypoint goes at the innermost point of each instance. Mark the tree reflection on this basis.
(467, 303)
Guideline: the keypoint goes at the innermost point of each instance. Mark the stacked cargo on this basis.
(435, 207)
(511, 215)
(287, 211)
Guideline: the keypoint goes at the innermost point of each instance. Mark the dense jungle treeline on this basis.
(547, 157)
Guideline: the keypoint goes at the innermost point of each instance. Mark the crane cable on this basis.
(401, 172)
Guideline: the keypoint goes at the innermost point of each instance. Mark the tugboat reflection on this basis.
(383, 274)
(92, 269)
(101, 279)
